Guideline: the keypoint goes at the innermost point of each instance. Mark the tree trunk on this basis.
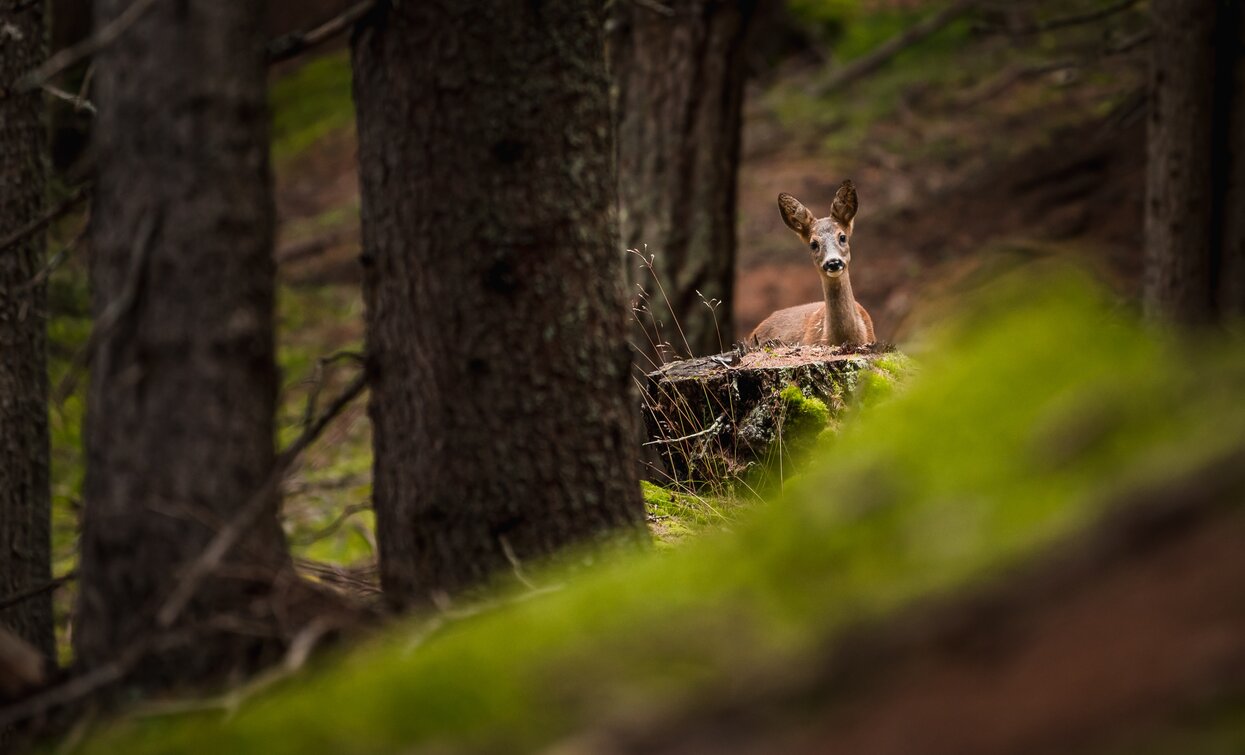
(503, 425)
(1179, 233)
(679, 91)
(1231, 28)
(25, 539)
(179, 434)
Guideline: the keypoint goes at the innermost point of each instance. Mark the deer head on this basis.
(828, 238)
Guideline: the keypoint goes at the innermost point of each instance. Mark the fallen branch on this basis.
(883, 53)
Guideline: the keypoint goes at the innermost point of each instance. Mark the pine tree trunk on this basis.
(501, 409)
(25, 540)
(179, 435)
(1231, 28)
(679, 91)
(1180, 235)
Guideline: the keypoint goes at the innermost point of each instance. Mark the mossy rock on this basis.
(754, 414)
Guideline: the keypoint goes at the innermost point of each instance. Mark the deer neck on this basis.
(843, 324)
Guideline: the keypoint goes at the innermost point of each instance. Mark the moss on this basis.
(310, 103)
(803, 417)
(880, 383)
(673, 516)
(951, 482)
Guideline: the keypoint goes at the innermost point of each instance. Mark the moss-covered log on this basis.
(753, 413)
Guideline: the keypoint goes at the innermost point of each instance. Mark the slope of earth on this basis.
(1023, 478)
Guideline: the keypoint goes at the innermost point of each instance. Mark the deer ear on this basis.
(795, 215)
(843, 210)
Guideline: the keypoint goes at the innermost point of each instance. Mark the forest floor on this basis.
(968, 163)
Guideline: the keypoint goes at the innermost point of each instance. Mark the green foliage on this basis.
(69, 327)
(851, 28)
(335, 475)
(310, 103)
(1044, 404)
(674, 515)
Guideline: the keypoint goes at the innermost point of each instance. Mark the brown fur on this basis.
(838, 319)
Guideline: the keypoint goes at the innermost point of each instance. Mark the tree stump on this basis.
(751, 414)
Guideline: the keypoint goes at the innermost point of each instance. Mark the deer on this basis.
(837, 320)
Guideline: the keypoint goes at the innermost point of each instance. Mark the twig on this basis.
(9, 601)
(71, 56)
(79, 102)
(515, 564)
(717, 423)
(117, 309)
(74, 689)
(333, 526)
(660, 9)
(295, 658)
(295, 43)
(317, 380)
(882, 54)
(224, 540)
(1075, 19)
(55, 262)
(46, 219)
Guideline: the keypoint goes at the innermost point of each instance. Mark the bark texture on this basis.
(1232, 245)
(179, 435)
(679, 82)
(25, 539)
(714, 420)
(493, 283)
(1195, 238)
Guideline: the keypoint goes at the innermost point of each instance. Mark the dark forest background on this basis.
(339, 340)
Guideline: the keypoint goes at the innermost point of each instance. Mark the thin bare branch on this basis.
(9, 601)
(225, 539)
(78, 102)
(47, 218)
(114, 312)
(1075, 19)
(660, 9)
(71, 56)
(333, 526)
(295, 43)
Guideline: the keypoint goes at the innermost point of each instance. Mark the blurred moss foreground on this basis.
(1044, 403)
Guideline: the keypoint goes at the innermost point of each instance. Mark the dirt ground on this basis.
(916, 243)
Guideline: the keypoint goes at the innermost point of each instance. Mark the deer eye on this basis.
(813, 245)
(842, 238)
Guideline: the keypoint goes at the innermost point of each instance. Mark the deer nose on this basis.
(835, 265)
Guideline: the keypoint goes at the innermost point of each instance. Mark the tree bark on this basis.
(679, 82)
(25, 524)
(1231, 28)
(179, 435)
(503, 425)
(1179, 234)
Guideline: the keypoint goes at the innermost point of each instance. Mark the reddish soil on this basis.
(1082, 195)
(913, 245)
